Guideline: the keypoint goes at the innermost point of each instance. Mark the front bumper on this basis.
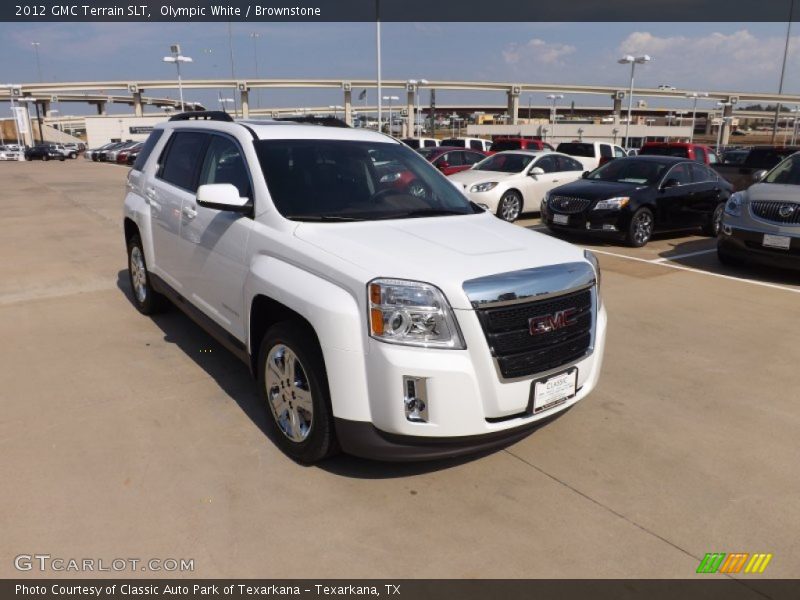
(606, 222)
(748, 245)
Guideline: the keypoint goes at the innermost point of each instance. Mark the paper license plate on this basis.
(777, 241)
(554, 390)
(561, 219)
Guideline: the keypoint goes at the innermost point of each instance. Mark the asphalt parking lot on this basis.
(126, 436)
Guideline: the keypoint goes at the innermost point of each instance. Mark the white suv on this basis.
(380, 310)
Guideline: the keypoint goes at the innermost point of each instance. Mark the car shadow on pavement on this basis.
(234, 378)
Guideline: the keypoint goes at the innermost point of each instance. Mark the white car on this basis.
(590, 154)
(386, 323)
(508, 183)
(7, 153)
(419, 143)
(467, 142)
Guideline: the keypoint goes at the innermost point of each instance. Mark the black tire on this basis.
(318, 440)
(61, 158)
(714, 225)
(73, 155)
(146, 300)
(510, 206)
(45, 157)
(640, 229)
(728, 259)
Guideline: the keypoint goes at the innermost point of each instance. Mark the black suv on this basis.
(43, 152)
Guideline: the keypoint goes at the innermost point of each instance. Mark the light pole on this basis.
(554, 98)
(177, 58)
(223, 102)
(416, 85)
(633, 61)
(389, 99)
(722, 120)
(795, 110)
(254, 36)
(695, 96)
(38, 64)
(378, 60)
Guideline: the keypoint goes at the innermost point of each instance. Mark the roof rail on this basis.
(313, 120)
(206, 115)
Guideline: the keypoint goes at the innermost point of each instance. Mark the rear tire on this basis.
(146, 300)
(45, 158)
(640, 229)
(293, 384)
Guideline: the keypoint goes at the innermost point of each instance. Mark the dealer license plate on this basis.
(561, 219)
(777, 241)
(554, 390)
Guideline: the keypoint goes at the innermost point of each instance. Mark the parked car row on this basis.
(123, 153)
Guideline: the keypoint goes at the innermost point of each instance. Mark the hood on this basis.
(774, 191)
(443, 251)
(596, 190)
(471, 176)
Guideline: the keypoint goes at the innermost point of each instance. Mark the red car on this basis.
(696, 152)
(519, 143)
(122, 156)
(451, 159)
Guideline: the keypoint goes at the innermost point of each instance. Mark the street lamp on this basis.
(723, 119)
(416, 85)
(633, 61)
(223, 102)
(177, 58)
(695, 96)
(389, 99)
(38, 64)
(254, 36)
(554, 98)
(795, 110)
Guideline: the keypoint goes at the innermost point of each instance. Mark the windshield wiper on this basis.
(322, 218)
(425, 212)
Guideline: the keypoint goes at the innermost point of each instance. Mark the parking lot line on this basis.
(687, 255)
(657, 262)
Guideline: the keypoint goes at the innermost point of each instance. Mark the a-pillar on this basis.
(137, 104)
(617, 111)
(245, 98)
(409, 124)
(727, 121)
(348, 107)
(513, 105)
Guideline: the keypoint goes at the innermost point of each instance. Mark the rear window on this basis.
(576, 149)
(501, 145)
(147, 148)
(679, 151)
(476, 144)
(453, 142)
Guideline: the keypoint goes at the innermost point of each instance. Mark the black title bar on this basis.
(399, 10)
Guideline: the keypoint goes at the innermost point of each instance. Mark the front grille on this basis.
(770, 210)
(568, 205)
(519, 353)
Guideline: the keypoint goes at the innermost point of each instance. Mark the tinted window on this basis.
(548, 164)
(576, 149)
(505, 163)
(430, 143)
(183, 155)
(147, 148)
(680, 173)
(787, 172)
(410, 142)
(766, 158)
(630, 170)
(700, 155)
(453, 142)
(224, 164)
(455, 159)
(619, 152)
(565, 163)
(679, 151)
(317, 179)
(476, 144)
(605, 151)
(470, 158)
(501, 145)
(701, 174)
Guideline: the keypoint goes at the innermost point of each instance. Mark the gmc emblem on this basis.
(552, 322)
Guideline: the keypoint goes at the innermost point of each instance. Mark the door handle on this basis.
(189, 212)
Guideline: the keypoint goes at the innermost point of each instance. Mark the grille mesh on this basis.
(568, 205)
(770, 210)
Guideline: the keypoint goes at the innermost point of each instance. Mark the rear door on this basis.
(174, 184)
(536, 186)
(215, 241)
(672, 204)
(705, 195)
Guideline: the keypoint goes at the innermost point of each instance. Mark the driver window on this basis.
(680, 173)
(224, 164)
(547, 164)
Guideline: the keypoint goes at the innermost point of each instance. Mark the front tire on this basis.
(714, 225)
(294, 386)
(45, 157)
(640, 229)
(146, 300)
(510, 206)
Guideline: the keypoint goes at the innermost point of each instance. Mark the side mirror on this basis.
(585, 174)
(536, 171)
(670, 183)
(759, 175)
(222, 196)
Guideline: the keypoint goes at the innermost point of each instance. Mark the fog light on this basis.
(588, 225)
(608, 227)
(415, 399)
(727, 230)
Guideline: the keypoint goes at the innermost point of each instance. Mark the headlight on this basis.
(596, 266)
(612, 203)
(390, 177)
(411, 313)
(483, 187)
(733, 206)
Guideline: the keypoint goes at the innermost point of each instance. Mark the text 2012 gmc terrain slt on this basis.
(389, 321)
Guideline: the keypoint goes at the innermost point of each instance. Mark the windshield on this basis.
(334, 180)
(505, 163)
(630, 170)
(427, 152)
(787, 172)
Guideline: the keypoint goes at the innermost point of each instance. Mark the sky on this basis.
(697, 56)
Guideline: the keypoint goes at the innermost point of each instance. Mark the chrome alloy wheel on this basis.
(138, 274)
(510, 206)
(716, 220)
(642, 228)
(288, 393)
